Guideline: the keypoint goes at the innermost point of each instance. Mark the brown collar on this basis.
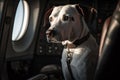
(78, 41)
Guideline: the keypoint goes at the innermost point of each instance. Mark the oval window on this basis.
(21, 20)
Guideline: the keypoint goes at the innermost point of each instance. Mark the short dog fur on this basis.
(66, 25)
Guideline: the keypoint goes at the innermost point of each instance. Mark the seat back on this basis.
(109, 66)
(104, 32)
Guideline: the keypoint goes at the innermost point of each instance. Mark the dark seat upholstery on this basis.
(52, 71)
(39, 77)
(109, 65)
(104, 32)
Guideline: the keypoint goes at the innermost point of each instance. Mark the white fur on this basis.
(84, 59)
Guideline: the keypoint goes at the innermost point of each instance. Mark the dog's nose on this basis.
(51, 32)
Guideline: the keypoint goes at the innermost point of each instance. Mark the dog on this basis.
(68, 27)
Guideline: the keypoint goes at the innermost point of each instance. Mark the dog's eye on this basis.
(50, 19)
(65, 18)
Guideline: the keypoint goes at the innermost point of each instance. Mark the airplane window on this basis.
(25, 25)
(21, 20)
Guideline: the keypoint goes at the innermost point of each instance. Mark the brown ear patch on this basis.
(79, 9)
(46, 16)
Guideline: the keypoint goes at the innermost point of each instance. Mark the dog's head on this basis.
(66, 23)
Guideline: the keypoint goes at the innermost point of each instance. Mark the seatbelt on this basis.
(68, 60)
(70, 54)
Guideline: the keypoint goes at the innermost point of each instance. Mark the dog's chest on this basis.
(77, 53)
(78, 61)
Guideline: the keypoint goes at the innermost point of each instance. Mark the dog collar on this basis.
(78, 41)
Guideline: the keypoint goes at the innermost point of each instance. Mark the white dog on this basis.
(67, 26)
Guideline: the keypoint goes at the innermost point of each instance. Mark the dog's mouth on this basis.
(53, 40)
(53, 36)
(65, 43)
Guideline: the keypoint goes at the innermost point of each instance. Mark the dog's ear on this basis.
(79, 9)
(46, 17)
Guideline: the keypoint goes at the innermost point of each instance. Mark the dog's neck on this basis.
(75, 43)
(84, 35)
(84, 28)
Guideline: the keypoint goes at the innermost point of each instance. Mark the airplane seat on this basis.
(48, 72)
(108, 65)
(39, 77)
(53, 72)
(104, 32)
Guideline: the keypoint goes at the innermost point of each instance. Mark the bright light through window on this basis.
(20, 21)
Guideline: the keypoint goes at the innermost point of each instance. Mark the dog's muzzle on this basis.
(50, 33)
(51, 36)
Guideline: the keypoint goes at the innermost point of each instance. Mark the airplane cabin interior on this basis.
(25, 53)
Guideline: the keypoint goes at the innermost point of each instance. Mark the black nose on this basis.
(51, 33)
